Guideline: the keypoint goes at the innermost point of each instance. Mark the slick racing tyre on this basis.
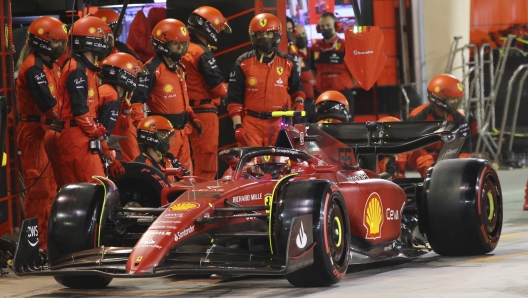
(331, 230)
(463, 207)
(74, 227)
(140, 186)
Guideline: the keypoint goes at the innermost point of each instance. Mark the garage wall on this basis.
(443, 20)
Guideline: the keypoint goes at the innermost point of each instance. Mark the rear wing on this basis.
(342, 143)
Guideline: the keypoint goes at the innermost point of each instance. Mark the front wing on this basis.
(111, 261)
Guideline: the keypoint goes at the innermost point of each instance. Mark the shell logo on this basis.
(51, 88)
(252, 81)
(373, 216)
(460, 87)
(103, 18)
(129, 65)
(91, 92)
(183, 31)
(158, 33)
(184, 206)
(91, 30)
(437, 89)
(217, 21)
(263, 22)
(168, 88)
(40, 31)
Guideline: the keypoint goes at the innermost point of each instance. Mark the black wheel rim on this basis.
(335, 227)
(134, 191)
(491, 208)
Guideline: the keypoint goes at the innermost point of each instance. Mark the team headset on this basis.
(337, 25)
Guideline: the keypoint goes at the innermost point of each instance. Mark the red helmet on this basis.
(156, 132)
(208, 22)
(275, 166)
(121, 68)
(265, 22)
(446, 92)
(165, 33)
(389, 119)
(332, 105)
(91, 34)
(111, 18)
(43, 32)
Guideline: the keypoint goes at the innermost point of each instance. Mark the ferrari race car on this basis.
(303, 209)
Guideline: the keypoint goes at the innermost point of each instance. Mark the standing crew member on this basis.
(111, 18)
(261, 81)
(124, 127)
(328, 61)
(164, 89)
(307, 79)
(82, 142)
(119, 72)
(445, 93)
(154, 136)
(38, 96)
(205, 24)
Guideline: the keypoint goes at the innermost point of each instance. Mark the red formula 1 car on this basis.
(302, 209)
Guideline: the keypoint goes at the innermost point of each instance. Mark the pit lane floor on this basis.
(503, 273)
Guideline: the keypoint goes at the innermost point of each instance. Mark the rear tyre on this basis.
(331, 230)
(73, 227)
(463, 207)
(140, 186)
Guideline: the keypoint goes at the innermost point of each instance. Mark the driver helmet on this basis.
(170, 32)
(123, 69)
(46, 31)
(156, 132)
(446, 92)
(275, 166)
(208, 21)
(261, 23)
(91, 34)
(332, 105)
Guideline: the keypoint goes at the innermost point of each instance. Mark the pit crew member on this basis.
(261, 81)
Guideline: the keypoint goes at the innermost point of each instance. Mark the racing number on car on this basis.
(345, 157)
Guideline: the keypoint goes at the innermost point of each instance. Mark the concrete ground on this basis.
(503, 273)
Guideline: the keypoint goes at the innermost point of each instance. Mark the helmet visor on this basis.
(178, 47)
(453, 102)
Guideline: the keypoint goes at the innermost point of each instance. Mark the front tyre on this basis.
(331, 230)
(463, 207)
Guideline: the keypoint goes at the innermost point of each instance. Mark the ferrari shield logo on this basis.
(460, 87)
(316, 55)
(280, 70)
(183, 31)
(267, 201)
(139, 259)
(267, 158)
(373, 216)
(338, 46)
(263, 22)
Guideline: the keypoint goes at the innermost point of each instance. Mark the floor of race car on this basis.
(503, 273)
